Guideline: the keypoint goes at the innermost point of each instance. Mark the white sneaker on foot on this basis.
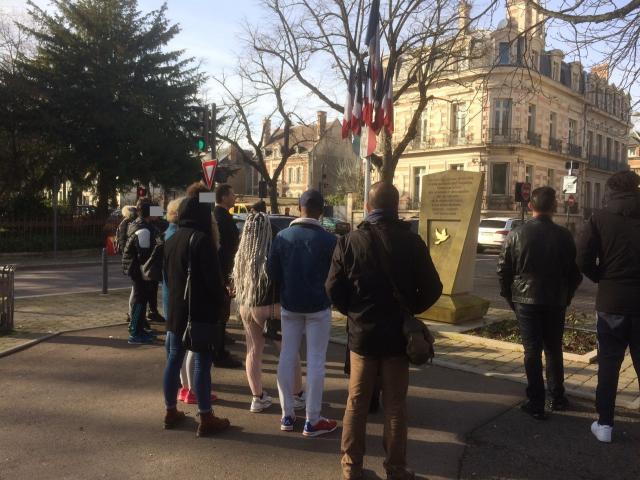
(299, 402)
(258, 404)
(602, 432)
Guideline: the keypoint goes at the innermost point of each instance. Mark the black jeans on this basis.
(542, 328)
(153, 299)
(142, 294)
(615, 333)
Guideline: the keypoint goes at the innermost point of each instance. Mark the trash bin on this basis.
(7, 274)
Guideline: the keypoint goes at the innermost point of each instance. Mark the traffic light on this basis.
(141, 192)
(202, 128)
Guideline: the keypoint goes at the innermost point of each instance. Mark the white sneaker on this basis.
(299, 402)
(258, 404)
(602, 432)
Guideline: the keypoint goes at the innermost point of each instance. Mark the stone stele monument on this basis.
(449, 220)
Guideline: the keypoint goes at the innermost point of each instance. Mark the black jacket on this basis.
(537, 265)
(122, 234)
(359, 288)
(609, 253)
(135, 254)
(208, 292)
(229, 240)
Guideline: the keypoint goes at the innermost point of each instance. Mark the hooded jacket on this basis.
(609, 253)
(208, 292)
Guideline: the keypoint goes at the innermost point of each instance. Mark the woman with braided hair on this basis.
(257, 299)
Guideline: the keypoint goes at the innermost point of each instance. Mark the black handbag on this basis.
(420, 341)
(152, 269)
(198, 337)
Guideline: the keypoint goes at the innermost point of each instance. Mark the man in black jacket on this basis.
(229, 241)
(192, 245)
(359, 288)
(538, 277)
(609, 254)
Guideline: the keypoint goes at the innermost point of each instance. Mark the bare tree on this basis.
(262, 80)
(422, 41)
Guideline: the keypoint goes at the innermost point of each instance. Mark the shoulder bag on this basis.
(420, 341)
(198, 336)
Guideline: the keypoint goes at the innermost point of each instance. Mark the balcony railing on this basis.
(534, 139)
(555, 145)
(574, 150)
(504, 136)
(441, 141)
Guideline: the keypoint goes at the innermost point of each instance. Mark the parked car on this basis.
(493, 231)
(335, 225)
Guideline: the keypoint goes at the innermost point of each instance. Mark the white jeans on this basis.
(317, 328)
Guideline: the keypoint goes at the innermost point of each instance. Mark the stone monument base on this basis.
(457, 308)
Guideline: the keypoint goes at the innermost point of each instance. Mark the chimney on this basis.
(266, 130)
(464, 15)
(321, 126)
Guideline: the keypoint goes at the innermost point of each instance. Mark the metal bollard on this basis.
(105, 272)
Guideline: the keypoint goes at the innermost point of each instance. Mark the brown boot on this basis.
(210, 424)
(172, 418)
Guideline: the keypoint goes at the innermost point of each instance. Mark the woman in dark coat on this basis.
(192, 242)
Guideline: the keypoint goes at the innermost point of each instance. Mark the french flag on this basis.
(356, 113)
(373, 39)
(348, 106)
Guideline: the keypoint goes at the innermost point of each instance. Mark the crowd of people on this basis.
(286, 283)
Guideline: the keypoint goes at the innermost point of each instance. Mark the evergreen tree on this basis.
(109, 90)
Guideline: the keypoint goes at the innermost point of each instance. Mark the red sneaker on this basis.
(192, 399)
(182, 394)
(322, 426)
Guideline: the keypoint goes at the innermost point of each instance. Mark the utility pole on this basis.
(213, 126)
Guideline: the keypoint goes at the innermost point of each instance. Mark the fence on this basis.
(37, 234)
(6, 297)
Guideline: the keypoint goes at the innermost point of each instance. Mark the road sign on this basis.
(570, 184)
(571, 201)
(209, 171)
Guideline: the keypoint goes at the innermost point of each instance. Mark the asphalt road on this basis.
(51, 281)
(87, 406)
(77, 279)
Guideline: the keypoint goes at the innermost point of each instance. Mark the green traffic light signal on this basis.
(201, 144)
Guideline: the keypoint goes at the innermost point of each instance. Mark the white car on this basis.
(493, 231)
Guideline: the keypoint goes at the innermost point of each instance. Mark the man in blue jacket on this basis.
(299, 263)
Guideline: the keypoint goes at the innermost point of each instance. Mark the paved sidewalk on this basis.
(34, 261)
(474, 357)
(40, 317)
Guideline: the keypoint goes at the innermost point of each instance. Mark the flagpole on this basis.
(367, 179)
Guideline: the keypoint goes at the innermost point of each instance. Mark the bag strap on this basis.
(384, 257)
(187, 287)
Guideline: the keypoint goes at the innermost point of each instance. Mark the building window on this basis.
(499, 178)
(299, 175)
(596, 195)
(423, 128)
(502, 116)
(551, 177)
(290, 174)
(531, 119)
(458, 121)
(418, 173)
(616, 151)
(456, 166)
(528, 174)
(503, 53)
(609, 149)
(587, 194)
(573, 130)
(553, 120)
(599, 146)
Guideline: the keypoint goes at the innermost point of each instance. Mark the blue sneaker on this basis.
(286, 424)
(321, 427)
(140, 340)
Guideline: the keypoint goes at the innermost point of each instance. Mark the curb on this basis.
(32, 343)
(56, 266)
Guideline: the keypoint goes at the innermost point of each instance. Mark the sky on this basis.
(210, 30)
